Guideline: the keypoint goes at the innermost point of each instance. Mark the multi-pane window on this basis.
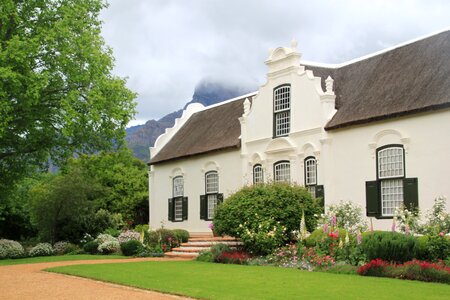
(282, 110)
(310, 171)
(212, 189)
(178, 209)
(178, 186)
(258, 175)
(178, 203)
(390, 174)
(390, 162)
(282, 171)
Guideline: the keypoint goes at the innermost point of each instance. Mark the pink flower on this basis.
(325, 228)
(441, 233)
(333, 221)
(211, 226)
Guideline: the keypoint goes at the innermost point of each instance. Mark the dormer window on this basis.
(282, 110)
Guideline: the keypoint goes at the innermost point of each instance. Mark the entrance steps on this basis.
(199, 242)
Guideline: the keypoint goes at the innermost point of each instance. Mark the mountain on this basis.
(139, 138)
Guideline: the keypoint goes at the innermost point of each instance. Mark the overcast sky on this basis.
(166, 47)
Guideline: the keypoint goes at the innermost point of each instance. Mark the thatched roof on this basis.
(405, 80)
(212, 129)
(409, 79)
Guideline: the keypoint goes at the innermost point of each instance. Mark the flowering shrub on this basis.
(63, 247)
(107, 244)
(163, 238)
(276, 207)
(41, 249)
(412, 270)
(262, 235)
(407, 221)
(346, 215)
(11, 249)
(437, 218)
(109, 247)
(233, 257)
(128, 235)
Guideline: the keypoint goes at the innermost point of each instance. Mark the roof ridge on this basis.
(367, 56)
(228, 101)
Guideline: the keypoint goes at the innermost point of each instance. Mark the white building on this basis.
(375, 131)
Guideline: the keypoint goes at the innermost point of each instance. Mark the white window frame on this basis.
(212, 190)
(178, 208)
(178, 186)
(282, 171)
(310, 171)
(390, 174)
(258, 174)
(282, 110)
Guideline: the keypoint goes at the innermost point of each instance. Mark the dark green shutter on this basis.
(185, 208)
(203, 207)
(373, 207)
(320, 194)
(410, 193)
(219, 198)
(171, 209)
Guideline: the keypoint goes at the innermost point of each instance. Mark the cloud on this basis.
(166, 47)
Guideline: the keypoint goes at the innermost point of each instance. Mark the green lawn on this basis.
(219, 281)
(42, 259)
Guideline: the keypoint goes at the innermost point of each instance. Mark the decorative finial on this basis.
(246, 107)
(329, 85)
(294, 44)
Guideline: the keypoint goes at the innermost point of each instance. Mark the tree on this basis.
(57, 93)
(123, 179)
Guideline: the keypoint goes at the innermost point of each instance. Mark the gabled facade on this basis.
(373, 131)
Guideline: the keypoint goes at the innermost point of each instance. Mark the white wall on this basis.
(226, 163)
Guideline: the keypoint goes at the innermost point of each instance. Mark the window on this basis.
(209, 201)
(178, 203)
(316, 191)
(282, 110)
(391, 189)
(282, 171)
(258, 175)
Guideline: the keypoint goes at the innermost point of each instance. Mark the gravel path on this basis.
(28, 281)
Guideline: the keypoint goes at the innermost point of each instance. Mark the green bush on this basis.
(41, 249)
(264, 215)
(91, 247)
(63, 247)
(131, 247)
(438, 247)
(11, 249)
(181, 235)
(165, 238)
(318, 236)
(389, 246)
(217, 250)
(205, 256)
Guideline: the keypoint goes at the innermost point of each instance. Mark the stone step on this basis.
(209, 244)
(212, 239)
(181, 255)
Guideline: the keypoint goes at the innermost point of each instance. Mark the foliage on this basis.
(41, 249)
(218, 249)
(389, 246)
(438, 247)
(124, 183)
(164, 238)
(205, 256)
(91, 247)
(62, 247)
(131, 247)
(11, 249)
(234, 257)
(347, 215)
(252, 282)
(278, 205)
(105, 220)
(61, 207)
(437, 218)
(109, 247)
(406, 220)
(147, 251)
(57, 92)
(15, 222)
(128, 235)
(181, 235)
(411, 270)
